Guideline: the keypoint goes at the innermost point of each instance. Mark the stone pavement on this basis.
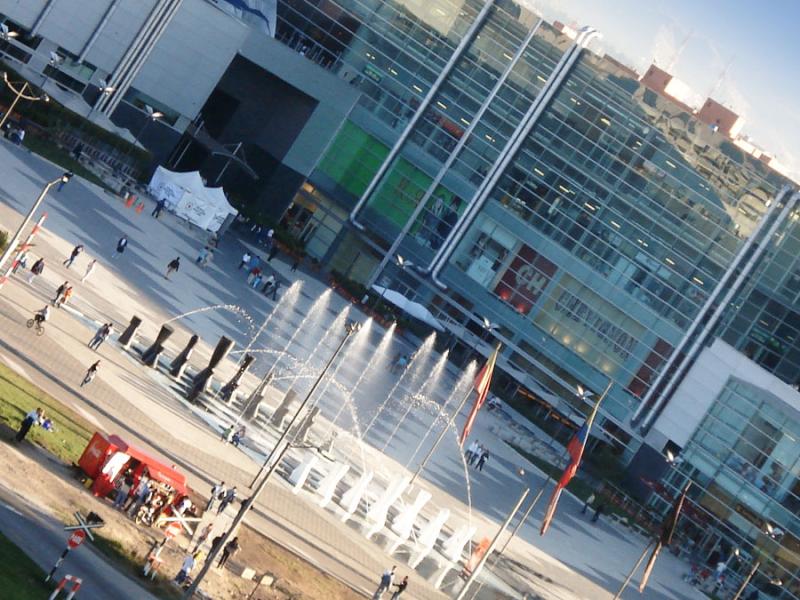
(138, 407)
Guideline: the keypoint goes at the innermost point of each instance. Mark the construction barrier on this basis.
(76, 585)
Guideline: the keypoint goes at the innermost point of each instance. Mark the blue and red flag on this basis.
(575, 450)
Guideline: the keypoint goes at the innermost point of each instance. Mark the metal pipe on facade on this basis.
(691, 355)
(454, 154)
(445, 72)
(648, 398)
(42, 16)
(513, 146)
(99, 28)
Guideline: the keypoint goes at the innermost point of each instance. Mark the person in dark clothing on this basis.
(100, 336)
(482, 460)
(122, 244)
(35, 417)
(159, 207)
(401, 587)
(77, 151)
(228, 551)
(173, 266)
(73, 255)
(90, 373)
(59, 291)
(273, 252)
(275, 290)
(597, 512)
(215, 544)
(36, 269)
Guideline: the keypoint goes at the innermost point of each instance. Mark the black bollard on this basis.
(250, 411)
(127, 335)
(229, 388)
(150, 356)
(179, 363)
(201, 379)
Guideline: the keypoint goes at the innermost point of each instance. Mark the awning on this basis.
(157, 470)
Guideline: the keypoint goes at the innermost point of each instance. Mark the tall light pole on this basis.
(20, 93)
(152, 115)
(14, 241)
(272, 462)
(105, 91)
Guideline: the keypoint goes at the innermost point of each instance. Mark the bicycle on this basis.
(38, 325)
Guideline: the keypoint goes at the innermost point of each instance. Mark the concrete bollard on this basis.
(179, 363)
(201, 379)
(127, 336)
(150, 356)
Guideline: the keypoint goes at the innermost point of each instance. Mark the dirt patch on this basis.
(54, 487)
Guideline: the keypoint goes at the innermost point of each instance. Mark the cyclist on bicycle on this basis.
(42, 316)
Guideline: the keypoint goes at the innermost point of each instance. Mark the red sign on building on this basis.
(525, 279)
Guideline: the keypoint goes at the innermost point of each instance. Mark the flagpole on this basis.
(441, 435)
(451, 421)
(633, 570)
(463, 593)
(747, 580)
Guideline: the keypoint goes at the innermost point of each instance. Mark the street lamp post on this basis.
(272, 462)
(20, 93)
(12, 243)
(746, 581)
(152, 115)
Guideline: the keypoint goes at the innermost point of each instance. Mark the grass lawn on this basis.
(18, 397)
(20, 577)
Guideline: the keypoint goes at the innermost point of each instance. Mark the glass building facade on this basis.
(550, 190)
(744, 460)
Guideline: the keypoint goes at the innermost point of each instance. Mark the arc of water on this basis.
(429, 383)
(410, 370)
(234, 308)
(315, 308)
(380, 354)
(287, 300)
(463, 384)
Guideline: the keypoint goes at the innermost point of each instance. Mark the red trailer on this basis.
(107, 457)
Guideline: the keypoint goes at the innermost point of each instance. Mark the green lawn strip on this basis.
(18, 397)
(55, 154)
(20, 577)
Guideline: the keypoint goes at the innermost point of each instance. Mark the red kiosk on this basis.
(105, 458)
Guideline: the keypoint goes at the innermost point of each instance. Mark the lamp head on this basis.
(45, 97)
(352, 326)
(156, 115)
(67, 176)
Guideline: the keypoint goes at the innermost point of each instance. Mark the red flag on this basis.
(575, 450)
(665, 537)
(482, 383)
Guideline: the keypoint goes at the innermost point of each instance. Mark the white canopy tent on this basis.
(187, 196)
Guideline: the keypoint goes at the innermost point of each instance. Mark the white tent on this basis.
(187, 196)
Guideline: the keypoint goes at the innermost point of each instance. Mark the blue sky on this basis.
(757, 41)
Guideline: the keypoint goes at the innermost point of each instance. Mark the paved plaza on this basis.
(575, 560)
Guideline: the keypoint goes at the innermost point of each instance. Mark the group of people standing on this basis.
(35, 417)
(476, 455)
(387, 582)
(255, 275)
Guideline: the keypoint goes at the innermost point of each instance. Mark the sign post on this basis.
(79, 533)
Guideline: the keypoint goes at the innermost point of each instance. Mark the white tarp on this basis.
(187, 196)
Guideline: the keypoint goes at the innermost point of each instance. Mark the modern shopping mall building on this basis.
(614, 234)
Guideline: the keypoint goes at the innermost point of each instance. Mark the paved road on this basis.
(43, 538)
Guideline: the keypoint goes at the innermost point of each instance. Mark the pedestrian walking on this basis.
(218, 492)
(275, 289)
(36, 269)
(296, 264)
(76, 251)
(100, 336)
(91, 372)
(67, 176)
(482, 460)
(387, 577)
(255, 262)
(65, 296)
(59, 291)
(256, 280)
(226, 434)
(173, 266)
(245, 263)
(273, 252)
(77, 151)
(230, 549)
(186, 568)
(215, 543)
(471, 450)
(229, 497)
(401, 587)
(20, 261)
(158, 208)
(597, 512)
(202, 255)
(238, 436)
(144, 492)
(89, 269)
(268, 283)
(204, 535)
(122, 244)
(588, 503)
(476, 455)
(35, 417)
(207, 259)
